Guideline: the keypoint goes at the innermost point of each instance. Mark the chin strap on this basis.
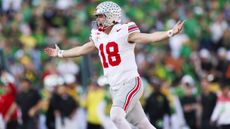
(101, 28)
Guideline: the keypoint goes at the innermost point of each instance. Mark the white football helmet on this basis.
(111, 10)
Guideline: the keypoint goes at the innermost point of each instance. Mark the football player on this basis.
(115, 43)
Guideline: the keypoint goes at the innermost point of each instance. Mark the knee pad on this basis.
(117, 115)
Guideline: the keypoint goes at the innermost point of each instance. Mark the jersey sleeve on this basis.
(94, 29)
(132, 27)
(92, 36)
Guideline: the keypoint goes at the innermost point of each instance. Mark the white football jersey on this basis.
(116, 54)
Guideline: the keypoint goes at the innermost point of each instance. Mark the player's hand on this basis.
(32, 112)
(53, 52)
(178, 27)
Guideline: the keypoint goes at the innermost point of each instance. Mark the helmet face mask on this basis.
(100, 19)
(112, 13)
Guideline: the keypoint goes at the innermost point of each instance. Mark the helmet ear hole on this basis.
(114, 22)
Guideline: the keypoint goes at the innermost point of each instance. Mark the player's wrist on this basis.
(170, 33)
(60, 53)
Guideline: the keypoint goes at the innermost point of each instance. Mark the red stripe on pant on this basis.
(132, 93)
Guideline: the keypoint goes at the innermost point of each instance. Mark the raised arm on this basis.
(156, 36)
(73, 52)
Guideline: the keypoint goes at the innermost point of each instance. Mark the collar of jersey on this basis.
(114, 29)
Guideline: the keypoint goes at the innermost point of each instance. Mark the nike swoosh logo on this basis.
(118, 30)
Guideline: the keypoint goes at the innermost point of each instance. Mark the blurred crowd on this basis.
(186, 78)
